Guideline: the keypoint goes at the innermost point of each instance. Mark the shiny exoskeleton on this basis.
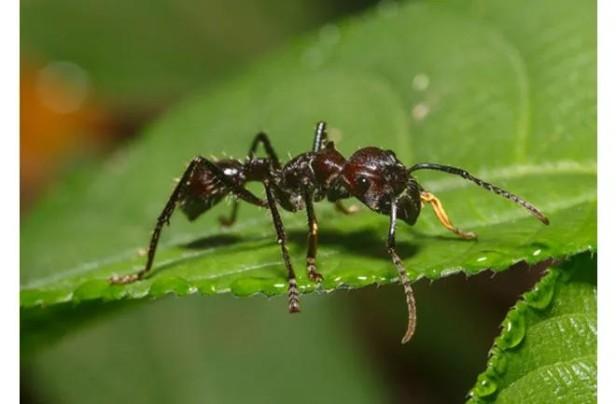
(373, 176)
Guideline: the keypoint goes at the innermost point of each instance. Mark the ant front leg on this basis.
(404, 279)
(167, 211)
(439, 211)
(313, 229)
(281, 237)
(260, 138)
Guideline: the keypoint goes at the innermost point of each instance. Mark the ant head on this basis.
(375, 177)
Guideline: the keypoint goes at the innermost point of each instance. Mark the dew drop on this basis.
(485, 386)
(246, 286)
(543, 293)
(514, 329)
(449, 271)
(498, 362)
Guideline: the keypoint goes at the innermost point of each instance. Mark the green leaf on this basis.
(497, 88)
(547, 351)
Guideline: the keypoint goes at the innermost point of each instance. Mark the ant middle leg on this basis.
(313, 229)
(167, 211)
(281, 237)
(439, 211)
(263, 139)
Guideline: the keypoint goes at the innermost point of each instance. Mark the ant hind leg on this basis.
(167, 212)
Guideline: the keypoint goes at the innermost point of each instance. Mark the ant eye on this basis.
(362, 183)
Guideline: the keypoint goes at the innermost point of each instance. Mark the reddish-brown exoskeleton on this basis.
(372, 175)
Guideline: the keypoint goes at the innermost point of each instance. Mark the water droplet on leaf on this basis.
(485, 386)
(542, 294)
(514, 329)
(498, 362)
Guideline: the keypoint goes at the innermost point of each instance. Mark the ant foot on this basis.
(225, 222)
(313, 274)
(124, 279)
(293, 297)
(466, 235)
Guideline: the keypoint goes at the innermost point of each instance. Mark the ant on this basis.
(374, 176)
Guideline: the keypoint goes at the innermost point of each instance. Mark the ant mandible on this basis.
(374, 176)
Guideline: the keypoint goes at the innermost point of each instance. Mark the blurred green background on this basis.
(95, 73)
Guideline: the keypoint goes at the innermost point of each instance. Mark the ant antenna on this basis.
(485, 185)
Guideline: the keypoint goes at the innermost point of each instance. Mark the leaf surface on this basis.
(547, 351)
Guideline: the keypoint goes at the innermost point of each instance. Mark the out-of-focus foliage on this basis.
(140, 53)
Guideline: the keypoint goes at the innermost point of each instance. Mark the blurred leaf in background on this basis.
(144, 53)
(94, 72)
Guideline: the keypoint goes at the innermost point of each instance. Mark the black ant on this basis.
(372, 175)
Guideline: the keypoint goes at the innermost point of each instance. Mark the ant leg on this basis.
(228, 221)
(339, 206)
(320, 136)
(165, 215)
(260, 138)
(404, 279)
(313, 229)
(282, 240)
(439, 211)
